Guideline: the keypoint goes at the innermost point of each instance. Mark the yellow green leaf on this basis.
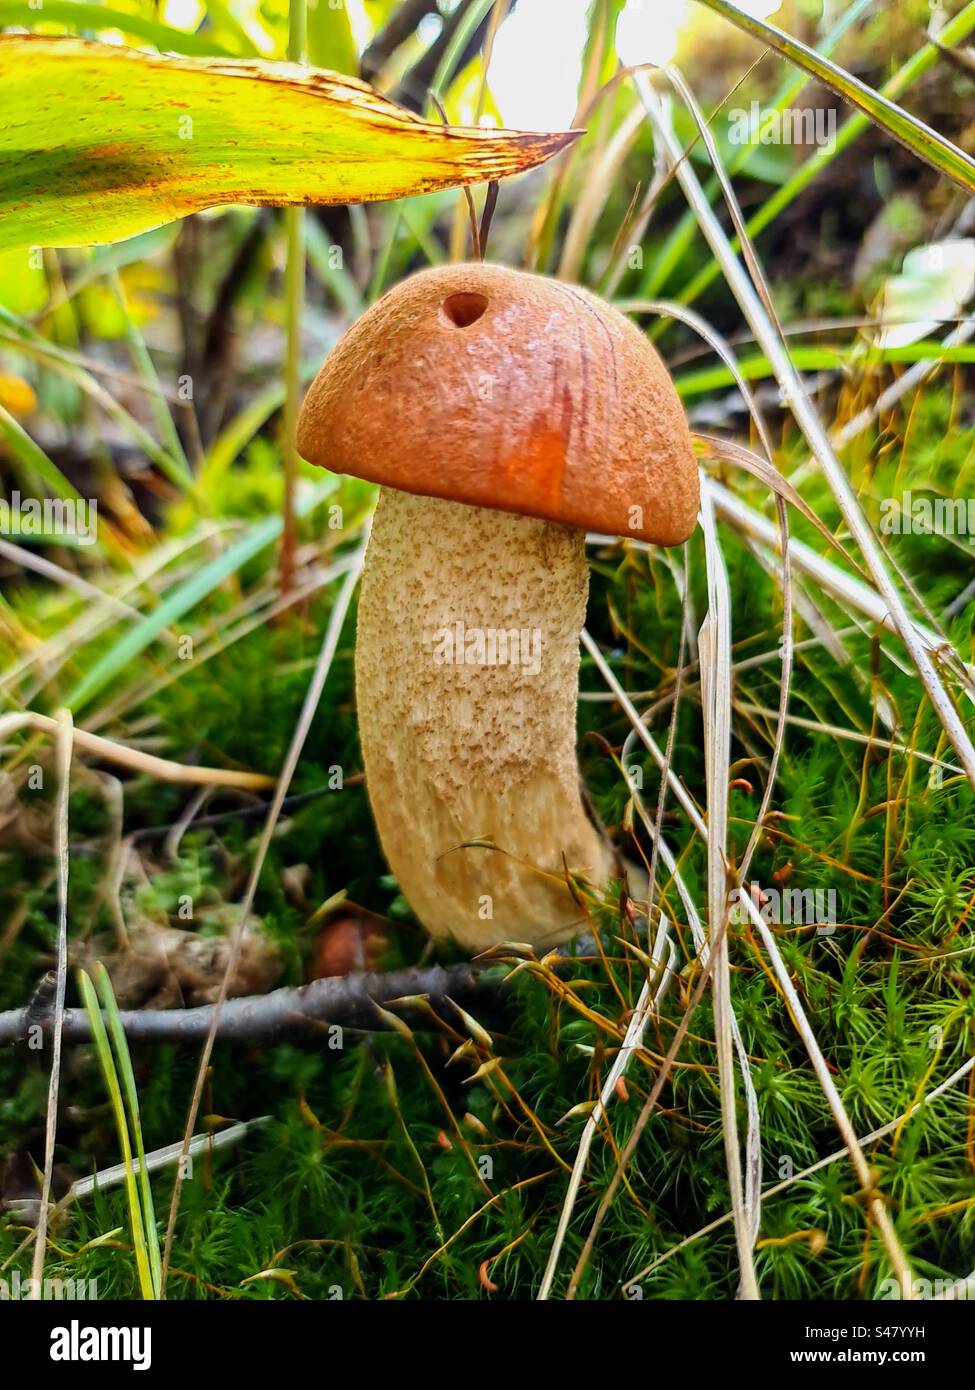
(100, 142)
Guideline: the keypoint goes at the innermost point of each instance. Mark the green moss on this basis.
(370, 1162)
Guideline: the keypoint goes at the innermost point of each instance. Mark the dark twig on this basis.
(266, 1017)
(219, 337)
(41, 1006)
(244, 813)
(471, 213)
(487, 214)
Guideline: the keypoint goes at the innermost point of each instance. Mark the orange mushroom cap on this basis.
(500, 389)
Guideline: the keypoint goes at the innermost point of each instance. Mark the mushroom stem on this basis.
(467, 669)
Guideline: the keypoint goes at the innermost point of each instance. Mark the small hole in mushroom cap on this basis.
(464, 308)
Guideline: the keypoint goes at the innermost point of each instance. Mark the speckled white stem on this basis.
(467, 671)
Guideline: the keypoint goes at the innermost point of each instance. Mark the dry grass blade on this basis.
(598, 185)
(25, 558)
(163, 769)
(648, 1107)
(771, 475)
(669, 779)
(683, 90)
(715, 648)
(795, 395)
(671, 741)
(821, 1163)
(875, 1203)
(851, 735)
(326, 656)
(729, 451)
(653, 991)
(782, 492)
(61, 851)
(847, 590)
(666, 308)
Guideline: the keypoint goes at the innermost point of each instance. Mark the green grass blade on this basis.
(683, 234)
(34, 345)
(103, 1048)
(185, 597)
(224, 21)
(76, 14)
(933, 148)
(917, 65)
(124, 1064)
(33, 458)
(147, 371)
(447, 67)
(327, 261)
(757, 367)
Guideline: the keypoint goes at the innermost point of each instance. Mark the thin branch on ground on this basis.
(304, 1009)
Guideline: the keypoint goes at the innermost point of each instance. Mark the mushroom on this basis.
(503, 414)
